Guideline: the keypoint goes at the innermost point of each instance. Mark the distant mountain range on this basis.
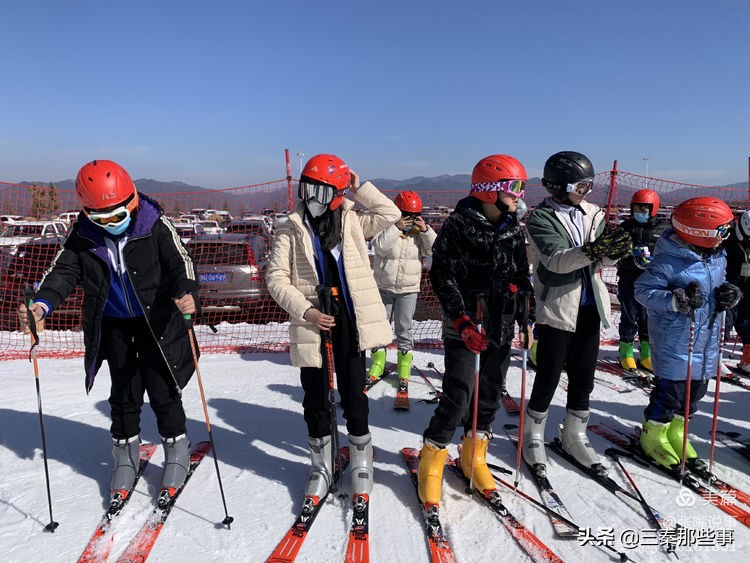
(732, 193)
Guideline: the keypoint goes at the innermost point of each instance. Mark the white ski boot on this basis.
(533, 439)
(360, 460)
(176, 464)
(321, 473)
(576, 443)
(127, 457)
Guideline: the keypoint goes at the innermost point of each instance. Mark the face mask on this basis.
(315, 208)
(641, 217)
(121, 227)
(521, 209)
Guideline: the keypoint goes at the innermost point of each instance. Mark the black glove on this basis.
(727, 296)
(613, 244)
(687, 300)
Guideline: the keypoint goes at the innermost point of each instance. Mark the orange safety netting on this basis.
(232, 265)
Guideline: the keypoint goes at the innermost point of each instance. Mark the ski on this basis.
(372, 381)
(549, 496)
(722, 494)
(607, 482)
(292, 541)
(638, 377)
(509, 404)
(735, 441)
(140, 546)
(526, 539)
(735, 379)
(401, 402)
(358, 548)
(440, 549)
(100, 544)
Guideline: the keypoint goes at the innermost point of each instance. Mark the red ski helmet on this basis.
(703, 221)
(409, 202)
(497, 173)
(103, 184)
(646, 197)
(329, 169)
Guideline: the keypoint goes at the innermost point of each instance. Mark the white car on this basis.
(19, 232)
(211, 227)
(188, 231)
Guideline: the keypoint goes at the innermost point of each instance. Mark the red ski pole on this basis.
(524, 359)
(688, 382)
(722, 335)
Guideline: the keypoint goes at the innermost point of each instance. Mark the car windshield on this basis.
(22, 230)
(228, 254)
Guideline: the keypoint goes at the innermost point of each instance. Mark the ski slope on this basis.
(254, 402)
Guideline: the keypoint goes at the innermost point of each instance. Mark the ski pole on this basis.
(434, 389)
(435, 369)
(688, 383)
(34, 335)
(475, 408)
(722, 335)
(524, 360)
(614, 453)
(191, 336)
(325, 299)
(623, 557)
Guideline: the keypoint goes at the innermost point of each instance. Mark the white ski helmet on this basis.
(743, 228)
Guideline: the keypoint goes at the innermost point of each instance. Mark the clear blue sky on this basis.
(210, 93)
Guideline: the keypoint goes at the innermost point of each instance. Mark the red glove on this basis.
(474, 338)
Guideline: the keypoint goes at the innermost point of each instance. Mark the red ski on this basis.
(358, 548)
(402, 396)
(100, 544)
(140, 546)
(509, 404)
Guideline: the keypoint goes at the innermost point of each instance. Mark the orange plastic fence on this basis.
(232, 265)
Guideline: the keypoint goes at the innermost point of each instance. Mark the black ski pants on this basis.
(349, 364)
(633, 315)
(455, 406)
(136, 365)
(576, 352)
(668, 398)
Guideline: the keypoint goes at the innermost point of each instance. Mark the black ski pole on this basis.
(623, 557)
(435, 369)
(191, 335)
(32, 358)
(325, 305)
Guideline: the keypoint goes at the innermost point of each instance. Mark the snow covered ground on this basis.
(254, 405)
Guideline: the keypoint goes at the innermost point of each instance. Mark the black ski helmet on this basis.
(563, 168)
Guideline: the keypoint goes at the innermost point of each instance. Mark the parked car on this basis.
(231, 270)
(22, 274)
(251, 226)
(19, 232)
(211, 227)
(69, 217)
(189, 230)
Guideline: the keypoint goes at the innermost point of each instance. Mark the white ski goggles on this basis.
(111, 218)
(581, 187)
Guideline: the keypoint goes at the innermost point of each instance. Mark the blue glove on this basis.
(641, 256)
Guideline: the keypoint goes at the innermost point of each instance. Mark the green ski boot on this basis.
(656, 445)
(626, 356)
(377, 367)
(403, 364)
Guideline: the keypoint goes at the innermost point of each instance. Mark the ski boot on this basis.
(745, 362)
(575, 441)
(320, 479)
(533, 439)
(626, 356)
(403, 364)
(176, 464)
(656, 444)
(646, 355)
(126, 453)
(377, 365)
(675, 433)
(483, 480)
(532, 354)
(360, 463)
(430, 473)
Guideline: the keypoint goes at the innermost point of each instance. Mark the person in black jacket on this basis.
(479, 260)
(738, 273)
(645, 229)
(138, 282)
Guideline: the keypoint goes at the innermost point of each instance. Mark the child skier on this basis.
(323, 244)
(570, 245)
(738, 273)
(684, 290)
(479, 259)
(138, 282)
(397, 264)
(645, 228)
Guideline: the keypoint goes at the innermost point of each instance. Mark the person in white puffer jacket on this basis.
(397, 265)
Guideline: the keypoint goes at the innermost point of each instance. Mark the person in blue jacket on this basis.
(684, 290)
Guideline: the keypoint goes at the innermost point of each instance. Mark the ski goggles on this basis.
(724, 231)
(322, 193)
(581, 187)
(111, 217)
(514, 188)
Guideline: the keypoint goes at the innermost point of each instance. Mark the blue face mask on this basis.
(119, 229)
(641, 217)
